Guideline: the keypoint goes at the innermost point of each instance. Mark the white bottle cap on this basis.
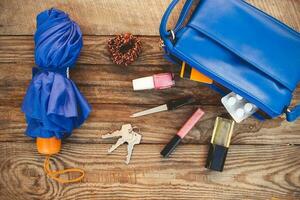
(240, 113)
(248, 107)
(145, 83)
(231, 101)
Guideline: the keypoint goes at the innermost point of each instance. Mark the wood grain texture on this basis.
(110, 84)
(98, 79)
(107, 87)
(106, 84)
(158, 128)
(94, 17)
(19, 49)
(251, 172)
(114, 16)
(263, 160)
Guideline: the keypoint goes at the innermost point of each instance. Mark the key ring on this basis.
(172, 34)
(135, 127)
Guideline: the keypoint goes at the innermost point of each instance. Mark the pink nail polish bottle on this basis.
(157, 81)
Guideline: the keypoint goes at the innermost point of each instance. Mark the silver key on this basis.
(125, 129)
(127, 135)
(136, 139)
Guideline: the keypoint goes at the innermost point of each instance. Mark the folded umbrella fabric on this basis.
(53, 105)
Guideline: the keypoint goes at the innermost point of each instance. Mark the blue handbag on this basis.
(241, 48)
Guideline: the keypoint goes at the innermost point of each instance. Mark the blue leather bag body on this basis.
(241, 48)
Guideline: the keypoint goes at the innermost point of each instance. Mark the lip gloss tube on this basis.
(157, 81)
(189, 124)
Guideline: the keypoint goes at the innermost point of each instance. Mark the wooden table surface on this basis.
(263, 161)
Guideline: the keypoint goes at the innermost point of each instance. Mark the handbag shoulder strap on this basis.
(164, 32)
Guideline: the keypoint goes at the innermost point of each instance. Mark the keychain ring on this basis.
(135, 127)
(172, 34)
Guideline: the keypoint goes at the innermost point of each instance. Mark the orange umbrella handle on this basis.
(48, 146)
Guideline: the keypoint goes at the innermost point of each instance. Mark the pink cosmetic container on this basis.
(157, 81)
(189, 124)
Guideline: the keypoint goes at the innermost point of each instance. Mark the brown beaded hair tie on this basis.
(124, 49)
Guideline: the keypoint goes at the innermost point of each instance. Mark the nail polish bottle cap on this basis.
(145, 83)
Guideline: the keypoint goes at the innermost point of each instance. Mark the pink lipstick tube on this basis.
(157, 81)
(189, 124)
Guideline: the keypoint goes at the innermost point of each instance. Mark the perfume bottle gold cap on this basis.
(220, 142)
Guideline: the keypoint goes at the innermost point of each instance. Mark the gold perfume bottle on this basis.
(219, 145)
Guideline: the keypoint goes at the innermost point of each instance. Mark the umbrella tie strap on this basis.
(55, 174)
(64, 72)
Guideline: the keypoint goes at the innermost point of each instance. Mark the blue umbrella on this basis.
(53, 105)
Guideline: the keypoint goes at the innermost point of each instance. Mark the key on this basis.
(118, 143)
(136, 139)
(125, 128)
(127, 135)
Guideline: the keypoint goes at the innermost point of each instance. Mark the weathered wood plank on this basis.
(19, 49)
(94, 17)
(100, 94)
(286, 11)
(159, 128)
(110, 84)
(251, 172)
(115, 16)
(106, 84)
